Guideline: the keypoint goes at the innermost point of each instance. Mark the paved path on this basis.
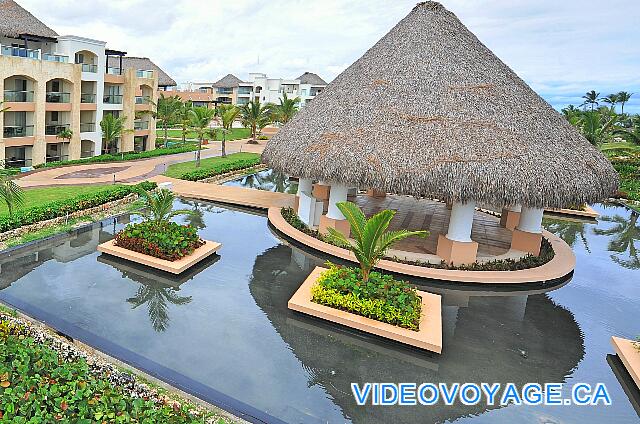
(126, 171)
(227, 194)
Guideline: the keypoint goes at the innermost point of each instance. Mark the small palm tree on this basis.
(286, 109)
(112, 129)
(228, 116)
(371, 238)
(612, 99)
(65, 134)
(255, 116)
(158, 206)
(591, 98)
(183, 117)
(200, 119)
(623, 97)
(166, 111)
(11, 194)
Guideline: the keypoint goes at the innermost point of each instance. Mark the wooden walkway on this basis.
(227, 194)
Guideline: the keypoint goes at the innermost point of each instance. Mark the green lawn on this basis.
(235, 134)
(40, 196)
(177, 169)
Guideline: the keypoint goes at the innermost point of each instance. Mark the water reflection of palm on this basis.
(624, 234)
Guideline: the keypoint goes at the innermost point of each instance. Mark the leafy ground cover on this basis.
(164, 240)
(381, 298)
(211, 167)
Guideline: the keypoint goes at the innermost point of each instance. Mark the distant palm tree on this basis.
(623, 97)
(184, 119)
(286, 109)
(255, 116)
(612, 99)
(625, 234)
(595, 124)
(65, 134)
(158, 299)
(228, 116)
(200, 120)
(591, 98)
(112, 129)
(166, 111)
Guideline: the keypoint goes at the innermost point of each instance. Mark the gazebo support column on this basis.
(304, 186)
(309, 209)
(321, 191)
(334, 218)
(456, 247)
(510, 217)
(527, 236)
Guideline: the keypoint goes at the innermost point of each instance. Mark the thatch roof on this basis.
(228, 81)
(430, 111)
(15, 20)
(311, 78)
(143, 64)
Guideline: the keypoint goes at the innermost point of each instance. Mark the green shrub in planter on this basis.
(160, 239)
(381, 298)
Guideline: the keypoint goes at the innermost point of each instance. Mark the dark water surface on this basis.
(224, 333)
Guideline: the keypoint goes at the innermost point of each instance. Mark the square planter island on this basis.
(174, 267)
(429, 336)
(629, 355)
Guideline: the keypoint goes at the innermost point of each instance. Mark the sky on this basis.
(562, 48)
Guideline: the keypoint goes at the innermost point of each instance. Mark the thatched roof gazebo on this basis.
(430, 111)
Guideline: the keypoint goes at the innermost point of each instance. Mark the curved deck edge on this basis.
(562, 264)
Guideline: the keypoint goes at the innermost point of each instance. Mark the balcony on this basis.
(142, 100)
(87, 98)
(112, 99)
(224, 91)
(89, 67)
(18, 96)
(20, 52)
(144, 74)
(50, 57)
(55, 129)
(140, 125)
(13, 131)
(53, 97)
(57, 158)
(113, 71)
(87, 127)
(17, 162)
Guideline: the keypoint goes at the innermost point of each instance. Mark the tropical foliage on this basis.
(113, 129)
(11, 194)
(287, 108)
(228, 115)
(167, 110)
(381, 297)
(158, 206)
(256, 116)
(371, 238)
(65, 134)
(165, 240)
(200, 118)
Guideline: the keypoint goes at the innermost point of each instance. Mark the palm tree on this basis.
(372, 240)
(166, 111)
(11, 194)
(158, 206)
(157, 299)
(228, 116)
(286, 109)
(595, 125)
(623, 97)
(112, 129)
(255, 116)
(612, 99)
(591, 98)
(200, 119)
(625, 232)
(65, 134)
(183, 116)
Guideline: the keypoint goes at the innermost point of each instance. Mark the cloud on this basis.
(561, 48)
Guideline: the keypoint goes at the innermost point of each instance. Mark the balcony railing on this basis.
(18, 96)
(58, 158)
(142, 100)
(89, 67)
(20, 52)
(53, 97)
(245, 90)
(87, 98)
(140, 125)
(50, 57)
(224, 91)
(17, 162)
(144, 74)
(55, 129)
(87, 127)
(12, 131)
(112, 99)
(113, 71)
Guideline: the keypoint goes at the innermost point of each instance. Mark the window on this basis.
(55, 86)
(54, 116)
(79, 58)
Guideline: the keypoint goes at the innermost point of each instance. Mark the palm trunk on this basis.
(165, 133)
(198, 152)
(254, 130)
(184, 136)
(224, 139)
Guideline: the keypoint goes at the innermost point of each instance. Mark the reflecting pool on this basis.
(223, 331)
(268, 180)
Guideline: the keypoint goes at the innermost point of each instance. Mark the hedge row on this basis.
(201, 174)
(60, 208)
(119, 157)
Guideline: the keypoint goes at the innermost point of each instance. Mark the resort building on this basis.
(444, 120)
(51, 83)
(232, 90)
